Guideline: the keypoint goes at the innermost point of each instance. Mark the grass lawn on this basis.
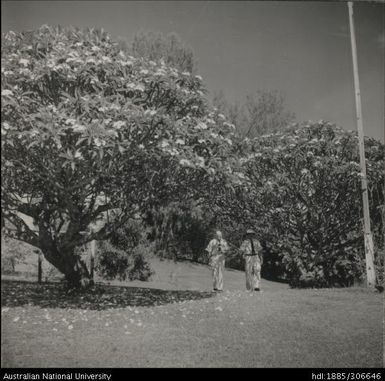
(175, 321)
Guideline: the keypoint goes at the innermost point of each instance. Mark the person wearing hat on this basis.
(251, 249)
(216, 249)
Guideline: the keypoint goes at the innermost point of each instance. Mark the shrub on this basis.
(141, 269)
(124, 255)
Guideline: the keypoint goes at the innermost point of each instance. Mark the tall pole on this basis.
(369, 249)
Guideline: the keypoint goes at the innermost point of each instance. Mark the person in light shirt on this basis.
(216, 249)
(251, 249)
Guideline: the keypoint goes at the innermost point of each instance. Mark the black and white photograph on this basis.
(192, 184)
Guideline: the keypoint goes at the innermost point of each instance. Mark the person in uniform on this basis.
(216, 249)
(251, 249)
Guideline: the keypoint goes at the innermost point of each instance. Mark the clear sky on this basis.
(299, 48)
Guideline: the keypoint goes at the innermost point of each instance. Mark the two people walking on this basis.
(251, 249)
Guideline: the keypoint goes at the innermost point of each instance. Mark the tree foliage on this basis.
(180, 230)
(124, 255)
(302, 194)
(91, 133)
(93, 136)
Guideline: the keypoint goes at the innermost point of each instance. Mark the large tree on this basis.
(302, 195)
(91, 134)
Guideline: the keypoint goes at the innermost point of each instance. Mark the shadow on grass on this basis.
(99, 297)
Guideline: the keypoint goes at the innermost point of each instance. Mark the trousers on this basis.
(217, 266)
(253, 272)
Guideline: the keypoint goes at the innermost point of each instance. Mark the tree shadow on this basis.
(98, 297)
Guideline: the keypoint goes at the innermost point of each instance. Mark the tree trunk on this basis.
(77, 274)
(71, 266)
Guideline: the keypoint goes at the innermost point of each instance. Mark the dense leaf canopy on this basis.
(88, 129)
(302, 193)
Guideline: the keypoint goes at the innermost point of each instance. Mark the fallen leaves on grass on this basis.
(99, 297)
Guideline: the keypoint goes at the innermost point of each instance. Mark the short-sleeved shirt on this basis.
(217, 247)
(246, 247)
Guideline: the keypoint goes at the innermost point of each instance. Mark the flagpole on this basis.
(369, 247)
